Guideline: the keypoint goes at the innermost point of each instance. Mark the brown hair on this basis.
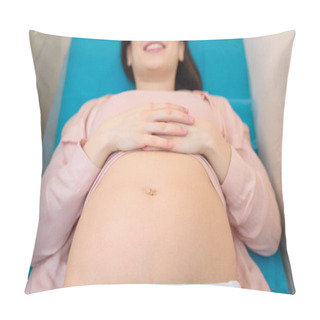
(187, 77)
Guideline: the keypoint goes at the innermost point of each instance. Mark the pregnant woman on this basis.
(155, 185)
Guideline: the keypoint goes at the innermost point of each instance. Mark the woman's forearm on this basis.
(251, 202)
(252, 206)
(218, 153)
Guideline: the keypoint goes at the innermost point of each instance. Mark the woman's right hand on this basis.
(138, 127)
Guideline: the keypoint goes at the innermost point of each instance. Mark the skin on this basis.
(158, 126)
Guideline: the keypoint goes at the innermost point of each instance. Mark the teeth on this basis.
(154, 46)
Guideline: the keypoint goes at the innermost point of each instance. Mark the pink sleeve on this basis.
(252, 207)
(64, 187)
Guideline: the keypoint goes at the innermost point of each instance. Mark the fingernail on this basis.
(190, 119)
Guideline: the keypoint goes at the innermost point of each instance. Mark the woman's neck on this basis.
(155, 86)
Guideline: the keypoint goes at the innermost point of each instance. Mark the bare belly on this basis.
(155, 217)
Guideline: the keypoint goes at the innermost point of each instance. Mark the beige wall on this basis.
(268, 61)
(48, 54)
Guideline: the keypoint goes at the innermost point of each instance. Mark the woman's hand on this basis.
(199, 134)
(203, 138)
(148, 125)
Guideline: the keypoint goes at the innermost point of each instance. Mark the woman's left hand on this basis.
(204, 138)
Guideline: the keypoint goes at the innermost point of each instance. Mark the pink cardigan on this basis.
(71, 178)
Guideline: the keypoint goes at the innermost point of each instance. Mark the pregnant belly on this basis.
(155, 217)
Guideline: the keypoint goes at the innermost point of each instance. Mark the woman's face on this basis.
(159, 58)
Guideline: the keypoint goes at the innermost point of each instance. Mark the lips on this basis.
(156, 45)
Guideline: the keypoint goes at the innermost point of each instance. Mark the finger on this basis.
(166, 128)
(150, 149)
(171, 115)
(157, 142)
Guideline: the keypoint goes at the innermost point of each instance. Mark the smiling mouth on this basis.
(154, 47)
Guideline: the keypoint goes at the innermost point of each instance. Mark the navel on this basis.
(150, 191)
